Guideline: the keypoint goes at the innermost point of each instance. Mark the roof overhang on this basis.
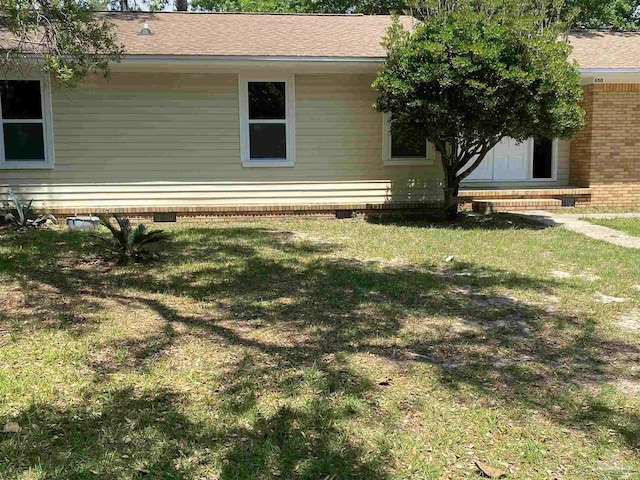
(237, 59)
(204, 63)
(610, 75)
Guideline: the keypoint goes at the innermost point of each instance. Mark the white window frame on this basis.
(289, 121)
(46, 121)
(388, 160)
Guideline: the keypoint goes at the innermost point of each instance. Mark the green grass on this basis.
(627, 225)
(581, 210)
(321, 350)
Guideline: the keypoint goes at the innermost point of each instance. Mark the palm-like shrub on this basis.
(22, 215)
(128, 243)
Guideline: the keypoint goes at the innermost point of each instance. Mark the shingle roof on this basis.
(600, 49)
(313, 35)
(250, 34)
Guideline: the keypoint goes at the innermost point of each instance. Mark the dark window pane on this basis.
(266, 100)
(542, 158)
(20, 99)
(399, 150)
(268, 140)
(23, 141)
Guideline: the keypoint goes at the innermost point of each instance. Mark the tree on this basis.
(60, 36)
(471, 74)
(133, 5)
(302, 6)
(613, 14)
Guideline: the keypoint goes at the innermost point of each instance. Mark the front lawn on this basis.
(588, 209)
(627, 225)
(322, 350)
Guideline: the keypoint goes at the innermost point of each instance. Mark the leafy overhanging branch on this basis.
(62, 37)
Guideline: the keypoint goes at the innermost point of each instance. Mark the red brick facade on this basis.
(605, 155)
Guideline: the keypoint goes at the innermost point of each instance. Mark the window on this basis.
(266, 122)
(26, 137)
(394, 152)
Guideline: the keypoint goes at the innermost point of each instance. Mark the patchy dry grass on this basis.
(627, 225)
(308, 349)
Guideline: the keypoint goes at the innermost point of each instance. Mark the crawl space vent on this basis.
(164, 217)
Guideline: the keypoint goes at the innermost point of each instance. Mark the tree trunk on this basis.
(181, 5)
(450, 209)
(450, 187)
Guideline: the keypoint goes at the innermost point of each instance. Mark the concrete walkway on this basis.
(574, 223)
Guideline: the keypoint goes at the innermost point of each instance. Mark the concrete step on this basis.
(515, 204)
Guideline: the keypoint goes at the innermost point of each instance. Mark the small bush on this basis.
(128, 243)
(22, 215)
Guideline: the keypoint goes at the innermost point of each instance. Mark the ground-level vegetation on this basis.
(322, 349)
(627, 225)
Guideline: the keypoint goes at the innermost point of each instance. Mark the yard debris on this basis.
(449, 258)
(488, 471)
(602, 298)
(385, 382)
(11, 427)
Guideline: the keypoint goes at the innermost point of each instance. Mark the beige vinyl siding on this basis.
(163, 139)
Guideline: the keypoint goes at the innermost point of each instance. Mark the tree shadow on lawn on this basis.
(146, 434)
(316, 309)
(465, 221)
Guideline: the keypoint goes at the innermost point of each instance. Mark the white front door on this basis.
(511, 160)
(484, 171)
(508, 160)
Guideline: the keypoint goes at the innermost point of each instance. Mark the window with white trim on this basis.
(267, 122)
(25, 114)
(395, 152)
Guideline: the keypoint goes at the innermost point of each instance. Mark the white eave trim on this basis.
(604, 71)
(239, 59)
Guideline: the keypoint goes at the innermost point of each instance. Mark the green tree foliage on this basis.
(616, 14)
(60, 36)
(613, 14)
(132, 5)
(301, 6)
(471, 74)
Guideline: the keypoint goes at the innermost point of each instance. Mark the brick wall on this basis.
(605, 156)
(580, 156)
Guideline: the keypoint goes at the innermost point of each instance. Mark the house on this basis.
(259, 113)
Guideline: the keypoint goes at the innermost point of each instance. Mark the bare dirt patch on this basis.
(602, 298)
(590, 277)
(630, 387)
(629, 321)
